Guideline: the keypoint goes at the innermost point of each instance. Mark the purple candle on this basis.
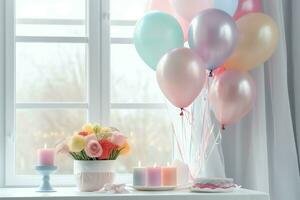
(154, 176)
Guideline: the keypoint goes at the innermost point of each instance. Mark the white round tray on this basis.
(153, 188)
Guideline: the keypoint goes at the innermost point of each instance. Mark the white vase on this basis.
(92, 175)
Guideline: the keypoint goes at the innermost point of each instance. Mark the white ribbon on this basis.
(114, 188)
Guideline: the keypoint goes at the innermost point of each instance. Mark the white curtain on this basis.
(292, 16)
(260, 151)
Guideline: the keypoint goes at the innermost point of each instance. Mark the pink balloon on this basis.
(188, 9)
(247, 6)
(161, 5)
(184, 25)
(232, 96)
(180, 76)
(165, 6)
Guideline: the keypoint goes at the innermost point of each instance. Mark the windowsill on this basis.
(71, 193)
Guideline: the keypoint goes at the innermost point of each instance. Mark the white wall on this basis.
(2, 86)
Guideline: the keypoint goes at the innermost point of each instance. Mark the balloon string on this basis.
(204, 148)
(217, 141)
(183, 134)
(192, 131)
(185, 141)
(205, 117)
(179, 147)
(204, 120)
(209, 131)
(207, 128)
(177, 143)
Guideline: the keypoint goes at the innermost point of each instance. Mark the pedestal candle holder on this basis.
(45, 171)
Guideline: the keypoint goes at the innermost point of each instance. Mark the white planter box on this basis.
(91, 176)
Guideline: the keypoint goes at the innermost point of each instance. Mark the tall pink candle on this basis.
(154, 176)
(46, 156)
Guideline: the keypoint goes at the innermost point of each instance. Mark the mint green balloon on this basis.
(156, 34)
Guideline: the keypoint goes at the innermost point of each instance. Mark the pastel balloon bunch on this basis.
(226, 39)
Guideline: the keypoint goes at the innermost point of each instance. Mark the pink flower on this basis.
(93, 149)
(62, 148)
(118, 138)
(90, 138)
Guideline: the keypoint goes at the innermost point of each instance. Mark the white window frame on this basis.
(98, 102)
(2, 92)
(98, 96)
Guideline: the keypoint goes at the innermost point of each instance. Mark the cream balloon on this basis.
(232, 95)
(258, 38)
(188, 9)
(180, 76)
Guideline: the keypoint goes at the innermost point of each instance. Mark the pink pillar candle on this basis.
(46, 156)
(154, 176)
(169, 176)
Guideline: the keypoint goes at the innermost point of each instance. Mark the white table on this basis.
(71, 193)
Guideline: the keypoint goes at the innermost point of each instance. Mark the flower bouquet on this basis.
(94, 150)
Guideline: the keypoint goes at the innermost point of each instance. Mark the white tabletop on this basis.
(71, 193)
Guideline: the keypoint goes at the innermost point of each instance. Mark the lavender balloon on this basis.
(213, 36)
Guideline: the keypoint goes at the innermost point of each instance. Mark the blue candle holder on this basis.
(45, 171)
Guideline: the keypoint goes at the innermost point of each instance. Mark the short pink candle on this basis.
(169, 176)
(46, 156)
(154, 176)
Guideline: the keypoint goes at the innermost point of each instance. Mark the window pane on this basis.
(127, 10)
(121, 31)
(149, 133)
(34, 128)
(50, 30)
(50, 72)
(132, 80)
(58, 9)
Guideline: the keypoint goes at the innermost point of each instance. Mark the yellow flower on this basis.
(126, 149)
(105, 132)
(88, 128)
(77, 143)
(97, 128)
